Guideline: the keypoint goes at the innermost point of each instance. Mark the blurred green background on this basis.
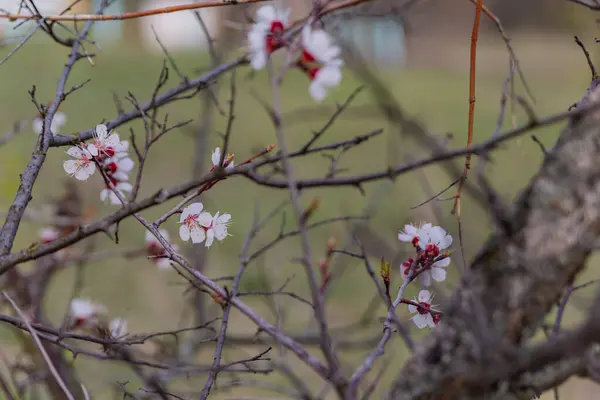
(432, 87)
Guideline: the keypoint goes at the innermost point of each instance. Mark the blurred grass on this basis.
(153, 300)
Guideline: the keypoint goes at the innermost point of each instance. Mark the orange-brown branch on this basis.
(473, 61)
(158, 11)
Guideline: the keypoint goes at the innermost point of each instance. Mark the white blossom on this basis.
(265, 35)
(106, 143)
(423, 317)
(412, 233)
(57, 122)
(322, 60)
(49, 234)
(109, 194)
(84, 312)
(217, 228)
(82, 167)
(194, 223)
(216, 157)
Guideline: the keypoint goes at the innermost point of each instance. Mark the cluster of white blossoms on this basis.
(106, 151)
(320, 58)
(86, 315)
(201, 226)
(431, 243)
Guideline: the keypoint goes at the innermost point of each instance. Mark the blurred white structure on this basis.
(177, 31)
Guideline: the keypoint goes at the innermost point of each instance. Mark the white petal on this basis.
(258, 60)
(424, 296)
(149, 237)
(101, 131)
(197, 235)
(164, 233)
(81, 174)
(124, 187)
(317, 91)
(163, 263)
(59, 119)
(184, 233)
(210, 237)
(122, 146)
(266, 13)
(425, 278)
(220, 231)
(90, 168)
(329, 77)
(438, 274)
(205, 219)
(70, 166)
(429, 320)
(93, 149)
(195, 208)
(223, 219)
(412, 309)
(120, 176)
(75, 152)
(125, 165)
(112, 140)
(216, 156)
(420, 321)
(403, 237)
(104, 194)
(442, 263)
(114, 199)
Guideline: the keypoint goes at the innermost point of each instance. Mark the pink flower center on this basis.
(415, 241)
(406, 266)
(432, 250)
(310, 63)
(274, 36)
(111, 167)
(78, 321)
(423, 308)
(437, 318)
(83, 161)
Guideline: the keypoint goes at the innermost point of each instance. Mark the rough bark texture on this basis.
(517, 277)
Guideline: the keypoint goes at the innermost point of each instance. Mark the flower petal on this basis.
(210, 237)
(412, 309)
(266, 13)
(442, 263)
(438, 274)
(205, 219)
(197, 235)
(216, 156)
(70, 166)
(317, 91)
(75, 152)
(420, 320)
(424, 296)
(101, 131)
(184, 233)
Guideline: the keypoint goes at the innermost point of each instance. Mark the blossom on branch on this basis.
(217, 228)
(157, 250)
(85, 313)
(117, 169)
(322, 62)
(265, 36)
(82, 167)
(48, 235)
(228, 163)
(423, 315)
(194, 223)
(58, 121)
(106, 143)
(413, 233)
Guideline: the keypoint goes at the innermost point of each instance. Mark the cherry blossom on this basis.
(156, 249)
(106, 143)
(194, 223)
(84, 312)
(118, 328)
(423, 316)
(322, 62)
(82, 167)
(58, 121)
(227, 162)
(117, 169)
(412, 233)
(48, 235)
(265, 35)
(217, 228)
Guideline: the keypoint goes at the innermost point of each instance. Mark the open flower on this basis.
(321, 60)
(117, 169)
(194, 223)
(412, 233)
(217, 228)
(106, 143)
(85, 313)
(118, 328)
(156, 249)
(265, 35)
(227, 162)
(58, 121)
(423, 315)
(82, 167)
